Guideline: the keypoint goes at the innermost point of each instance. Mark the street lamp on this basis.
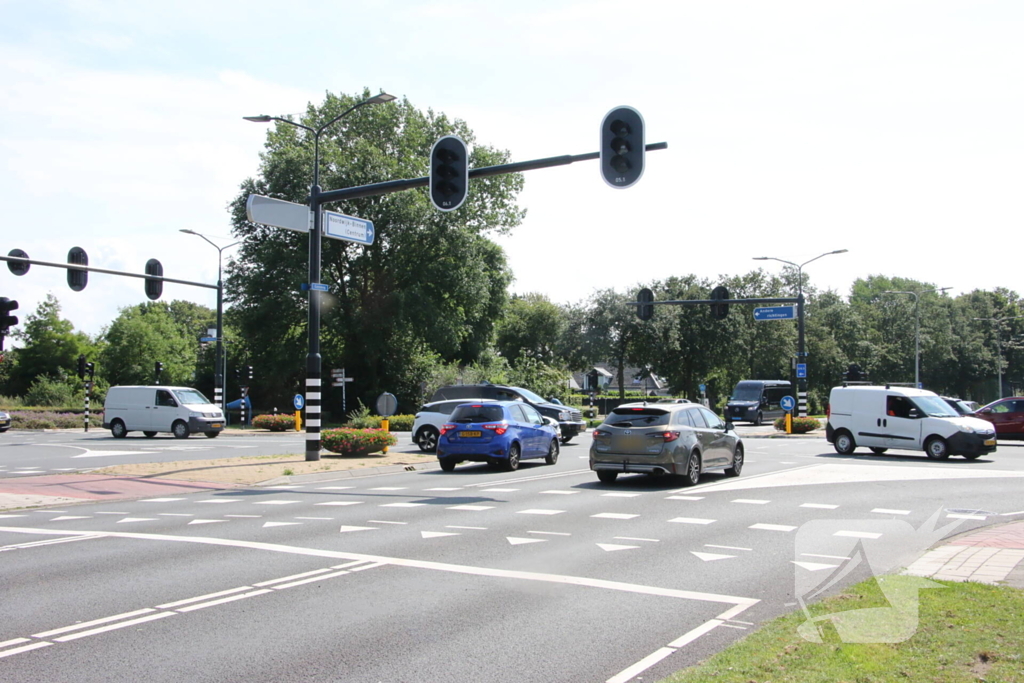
(218, 370)
(999, 349)
(801, 354)
(313, 360)
(917, 328)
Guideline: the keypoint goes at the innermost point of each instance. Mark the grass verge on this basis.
(964, 632)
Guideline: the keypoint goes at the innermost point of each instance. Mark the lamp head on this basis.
(263, 118)
(381, 98)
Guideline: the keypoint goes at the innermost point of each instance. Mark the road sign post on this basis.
(338, 379)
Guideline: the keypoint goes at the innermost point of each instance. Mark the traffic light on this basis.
(90, 369)
(18, 267)
(154, 288)
(248, 369)
(78, 279)
(158, 368)
(6, 319)
(854, 374)
(645, 311)
(449, 173)
(719, 311)
(81, 367)
(622, 147)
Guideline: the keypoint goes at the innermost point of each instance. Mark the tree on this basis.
(50, 347)
(530, 327)
(431, 285)
(141, 336)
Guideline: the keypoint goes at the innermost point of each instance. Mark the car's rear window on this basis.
(637, 417)
(477, 413)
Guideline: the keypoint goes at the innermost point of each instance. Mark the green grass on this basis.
(965, 632)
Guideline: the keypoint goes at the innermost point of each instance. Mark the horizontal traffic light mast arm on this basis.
(700, 302)
(92, 269)
(387, 187)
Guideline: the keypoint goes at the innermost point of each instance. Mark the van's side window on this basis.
(164, 398)
(898, 406)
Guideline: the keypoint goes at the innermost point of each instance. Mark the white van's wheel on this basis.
(180, 430)
(117, 428)
(844, 443)
(936, 448)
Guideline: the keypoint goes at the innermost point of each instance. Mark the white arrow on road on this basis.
(709, 557)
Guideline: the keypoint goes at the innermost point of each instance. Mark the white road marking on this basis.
(619, 495)
(384, 521)
(613, 515)
(819, 506)
(471, 507)
(283, 487)
(1007, 514)
(772, 527)
(390, 488)
(751, 501)
(685, 498)
(175, 514)
(445, 488)
(437, 534)
(402, 505)
(827, 557)
(357, 528)
(273, 524)
(534, 511)
(473, 528)
(499, 490)
(641, 666)
(887, 511)
(727, 547)
(341, 502)
(692, 520)
(612, 547)
(204, 605)
(94, 622)
(106, 454)
(285, 579)
(709, 557)
(960, 516)
(245, 516)
(216, 501)
(813, 566)
(561, 493)
(49, 541)
(334, 488)
(630, 538)
(550, 533)
(277, 502)
(24, 648)
(11, 516)
(317, 518)
(67, 517)
(161, 500)
(207, 521)
(857, 534)
(314, 579)
(208, 596)
(519, 541)
(129, 520)
(110, 513)
(16, 641)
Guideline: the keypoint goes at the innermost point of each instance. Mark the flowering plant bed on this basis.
(356, 442)
(801, 425)
(275, 423)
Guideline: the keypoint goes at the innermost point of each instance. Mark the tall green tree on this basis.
(140, 337)
(50, 347)
(531, 326)
(432, 286)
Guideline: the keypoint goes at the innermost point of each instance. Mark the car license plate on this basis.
(215, 425)
(990, 442)
(469, 434)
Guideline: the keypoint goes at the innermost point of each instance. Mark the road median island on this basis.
(253, 470)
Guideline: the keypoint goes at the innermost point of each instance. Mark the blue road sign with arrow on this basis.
(775, 313)
(348, 228)
(787, 403)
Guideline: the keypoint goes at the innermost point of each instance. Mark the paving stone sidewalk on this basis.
(990, 555)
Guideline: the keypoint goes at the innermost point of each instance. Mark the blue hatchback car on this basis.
(500, 433)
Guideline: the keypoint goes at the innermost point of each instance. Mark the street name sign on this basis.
(348, 228)
(278, 213)
(775, 313)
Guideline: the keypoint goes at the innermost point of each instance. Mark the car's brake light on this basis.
(499, 428)
(599, 433)
(447, 428)
(668, 436)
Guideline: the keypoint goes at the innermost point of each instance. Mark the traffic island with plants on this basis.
(356, 442)
(801, 425)
(280, 422)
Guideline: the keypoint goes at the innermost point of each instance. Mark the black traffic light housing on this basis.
(719, 311)
(6, 319)
(158, 368)
(645, 311)
(81, 367)
(78, 279)
(855, 374)
(449, 173)
(154, 288)
(248, 370)
(622, 147)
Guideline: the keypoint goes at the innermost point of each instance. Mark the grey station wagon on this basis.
(674, 439)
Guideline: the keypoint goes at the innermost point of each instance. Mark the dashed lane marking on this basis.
(692, 520)
(772, 527)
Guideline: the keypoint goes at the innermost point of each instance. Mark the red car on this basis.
(1007, 414)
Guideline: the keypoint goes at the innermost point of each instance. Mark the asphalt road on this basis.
(543, 574)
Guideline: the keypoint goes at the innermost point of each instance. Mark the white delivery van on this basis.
(887, 417)
(179, 410)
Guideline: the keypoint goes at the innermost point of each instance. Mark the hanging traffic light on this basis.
(449, 173)
(622, 147)
(154, 288)
(78, 279)
(719, 311)
(645, 311)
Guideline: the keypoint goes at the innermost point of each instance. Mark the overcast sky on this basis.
(892, 129)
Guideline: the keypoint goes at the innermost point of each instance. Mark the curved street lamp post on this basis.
(917, 328)
(801, 353)
(218, 371)
(313, 360)
(999, 349)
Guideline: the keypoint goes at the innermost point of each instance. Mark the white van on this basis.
(881, 418)
(179, 410)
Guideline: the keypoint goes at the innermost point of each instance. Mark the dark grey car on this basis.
(675, 439)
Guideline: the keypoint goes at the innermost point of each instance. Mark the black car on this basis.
(570, 420)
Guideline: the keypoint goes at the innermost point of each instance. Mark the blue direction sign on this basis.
(298, 402)
(207, 339)
(801, 371)
(787, 403)
(775, 313)
(348, 228)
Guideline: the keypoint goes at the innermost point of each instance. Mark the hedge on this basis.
(396, 423)
(276, 423)
(356, 442)
(801, 425)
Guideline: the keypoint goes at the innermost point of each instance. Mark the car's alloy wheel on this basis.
(427, 439)
(513, 458)
(552, 456)
(737, 462)
(692, 476)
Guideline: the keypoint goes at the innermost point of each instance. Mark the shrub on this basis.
(396, 423)
(47, 391)
(48, 419)
(801, 425)
(275, 423)
(356, 442)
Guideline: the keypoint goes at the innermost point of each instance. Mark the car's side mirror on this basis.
(985, 411)
(728, 425)
(913, 413)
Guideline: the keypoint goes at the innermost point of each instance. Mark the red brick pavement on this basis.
(101, 487)
(1004, 536)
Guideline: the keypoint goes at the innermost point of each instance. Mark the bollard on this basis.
(386, 427)
(298, 420)
(789, 422)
